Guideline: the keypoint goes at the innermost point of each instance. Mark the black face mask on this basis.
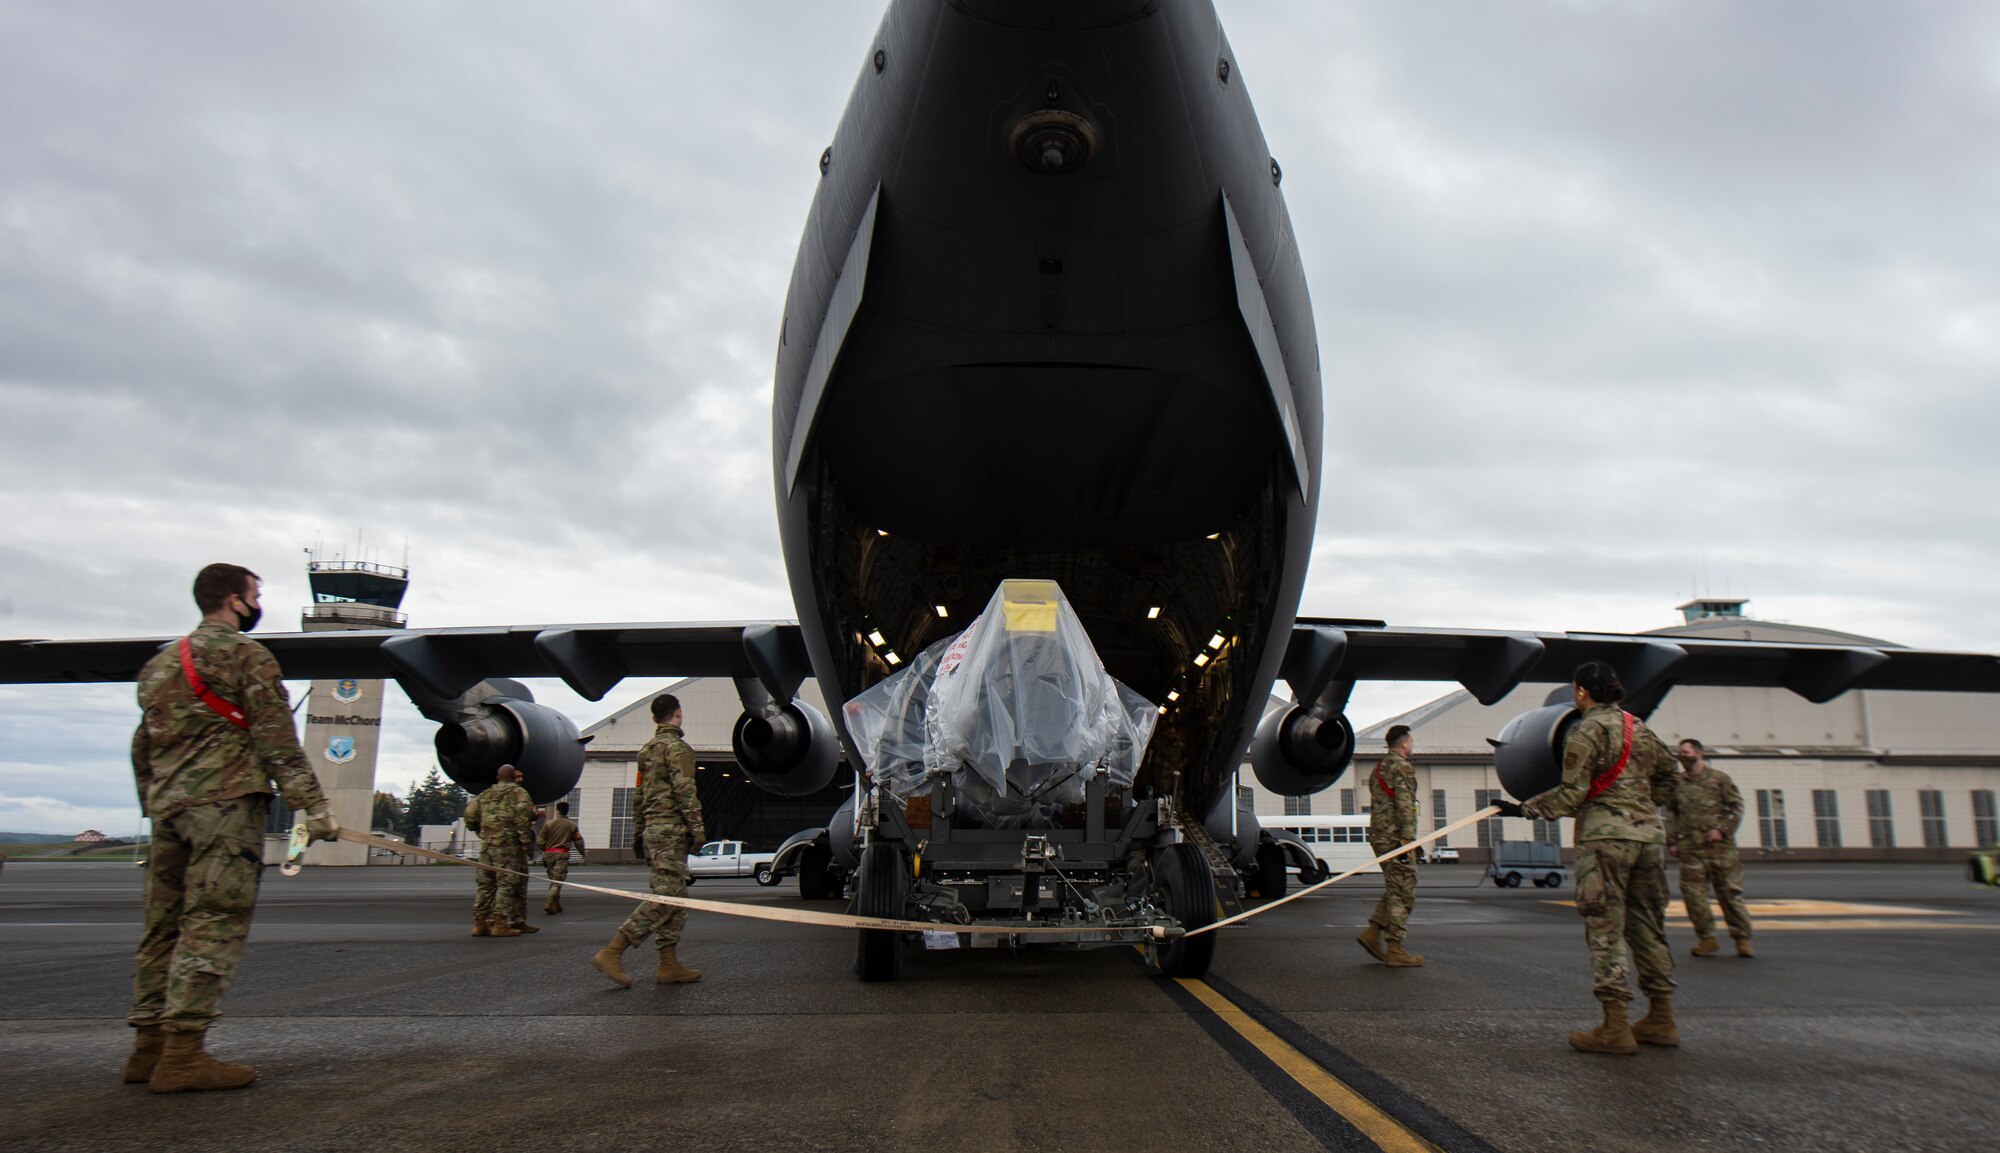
(246, 623)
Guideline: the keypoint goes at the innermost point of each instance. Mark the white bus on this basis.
(1340, 843)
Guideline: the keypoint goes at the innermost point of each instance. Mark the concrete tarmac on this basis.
(1869, 1020)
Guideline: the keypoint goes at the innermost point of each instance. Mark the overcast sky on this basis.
(1616, 301)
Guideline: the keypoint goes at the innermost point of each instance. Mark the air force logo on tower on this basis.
(347, 691)
(340, 750)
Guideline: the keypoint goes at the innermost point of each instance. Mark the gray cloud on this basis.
(1612, 298)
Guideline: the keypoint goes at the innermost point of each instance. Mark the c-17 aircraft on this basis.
(1047, 350)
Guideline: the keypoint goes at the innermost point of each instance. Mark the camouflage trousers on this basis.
(1399, 892)
(555, 862)
(501, 896)
(1621, 890)
(202, 870)
(668, 857)
(1714, 864)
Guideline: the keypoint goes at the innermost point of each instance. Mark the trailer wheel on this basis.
(815, 881)
(1322, 873)
(1271, 882)
(1189, 887)
(766, 875)
(1513, 880)
(878, 892)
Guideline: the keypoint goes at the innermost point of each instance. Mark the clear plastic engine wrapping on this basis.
(1016, 710)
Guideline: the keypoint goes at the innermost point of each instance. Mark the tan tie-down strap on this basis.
(1411, 847)
(849, 921)
(767, 912)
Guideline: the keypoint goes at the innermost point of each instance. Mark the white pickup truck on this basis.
(727, 859)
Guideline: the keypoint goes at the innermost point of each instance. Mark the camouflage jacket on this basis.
(1392, 799)
(1628, 810)
(1709, 801)
(666, 786)
(184, 754)
(506, 816)
(558, 832)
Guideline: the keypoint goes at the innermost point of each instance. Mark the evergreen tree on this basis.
(433, 801)
(389, 813)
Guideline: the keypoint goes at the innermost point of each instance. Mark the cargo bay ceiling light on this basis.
(875, 638)
(1153, 614)
(1053, 141)
(942, 614)
(1215, 642)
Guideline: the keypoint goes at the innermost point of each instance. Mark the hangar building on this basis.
(732, 807)
(1869, 775)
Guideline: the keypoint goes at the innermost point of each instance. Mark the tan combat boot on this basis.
(1657, 1026)
(146, 1045)
(501, 929)
(672, 972)
(480, 928)
(606, 960)
(550, 907)
(1396, 957)
(1705, 947)
(185, 1067)
(525, 927)
(1371, 940)
(1613, 1036)
(1743, 948)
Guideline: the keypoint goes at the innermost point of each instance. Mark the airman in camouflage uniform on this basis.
(671, 815)
(1706, 810)
(204, 757)
(558, 836)
(1392, 823)
(500, 907)
(1616, 774)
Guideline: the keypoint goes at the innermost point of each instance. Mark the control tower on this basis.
(343, 718)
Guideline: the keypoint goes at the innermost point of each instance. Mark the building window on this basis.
(1347, 802)
(575, 801)
(1985, 819)
(1826, 817)
(1930, 802)
(1489, 829)
(1881, 820)
(1771, 820)
(621, 818)
(1548, 832)
(1437, 816)
(278, 821)
(1298, 806)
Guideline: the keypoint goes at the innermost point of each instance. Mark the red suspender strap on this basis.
(1383, 783)
(220, 707)
(1612, 774)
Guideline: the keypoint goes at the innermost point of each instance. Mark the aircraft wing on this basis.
(446, 662)
(1490, 664)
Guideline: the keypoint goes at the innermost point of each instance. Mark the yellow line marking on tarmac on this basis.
(1872, 923)
(1780, 908)
(1360, 1112)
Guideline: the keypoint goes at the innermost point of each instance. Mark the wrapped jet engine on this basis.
(1016, 712)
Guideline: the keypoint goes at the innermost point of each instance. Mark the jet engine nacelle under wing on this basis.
(499, 723)
(1528, 754)
(1299, 751)
(790, 750)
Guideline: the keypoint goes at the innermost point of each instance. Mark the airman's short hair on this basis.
(1396, 733)
(665, 705)
(562, 807)
(214, 585)
(1698, 746)
(508, 773)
